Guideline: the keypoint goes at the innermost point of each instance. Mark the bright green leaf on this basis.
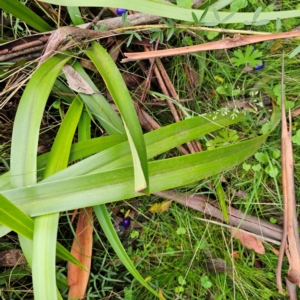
(236, 5)
(296, 138)
(256, 168)
(181, 231)
(185, 3)
(272, 171)
(181, 280)
(246, 166)
(261, 157)
(205, 282)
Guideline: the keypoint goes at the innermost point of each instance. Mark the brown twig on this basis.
(290, 238)
(236, 41)
(237, 218)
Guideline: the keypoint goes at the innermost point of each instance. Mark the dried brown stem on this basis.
(290, 239)
(236, 41)
(236, 218)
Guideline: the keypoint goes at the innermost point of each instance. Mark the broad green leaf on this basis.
(78, 151)
(118, 184)
(25, 14)
(185, 3)
(121, 97)
(15, 218)
(99, 106)
(157, 142)
(84, 128)
(25, 140)
(26, 130)
(43, 260)
(165, 9)
(236, 5)
(59, 155)
(75, 15)
(45, 227)
(27, 122)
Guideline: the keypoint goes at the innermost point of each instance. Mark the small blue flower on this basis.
(259, 67)
(125, 223)
(121, 11)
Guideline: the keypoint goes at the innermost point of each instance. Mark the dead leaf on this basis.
(132, 80)
(241, 194)
(160, 293)
(248, 241)
(160, 207)
(296, 112)
(275, 251)
(11, 258)
(82, 250)
(217, 265)
(235, 254)
(76, 82)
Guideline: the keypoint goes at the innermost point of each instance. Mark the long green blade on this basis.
(118, 184)
(168, 10)
(119, 92)
(110, 232)
(28, 119)
(25, 14)
(45, 227)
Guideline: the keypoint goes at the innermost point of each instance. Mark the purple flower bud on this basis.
(125, 222)
(259, 67)
(121, 11)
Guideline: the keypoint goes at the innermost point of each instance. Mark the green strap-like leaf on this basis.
(75, 15)
(157, 142)
(78, 151)
(119, 92)
(118, 184)
(168, 10)
(25, 14)
(15, 219)
(110, 232)
(28, 119)
(99, 106)
(45, 227)
(21, 223)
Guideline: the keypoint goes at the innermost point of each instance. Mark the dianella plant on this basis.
(122, 164)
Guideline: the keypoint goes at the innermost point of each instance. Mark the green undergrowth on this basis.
(174, 250)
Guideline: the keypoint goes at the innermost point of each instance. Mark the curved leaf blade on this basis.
(167, 10)
(25, 14)
(121, 97)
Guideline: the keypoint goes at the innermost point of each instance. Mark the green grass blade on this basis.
(115, 185)
(78, 151)
(75, 15)
(14, 218)
(25, 14)
(84, 128)
(157, 142)
(110, 232)
(168, 10)
(43, 261)
(28, 119)
(59, 156)
(99, 106)
(121, 97)
(45, 227)
(221, 197)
